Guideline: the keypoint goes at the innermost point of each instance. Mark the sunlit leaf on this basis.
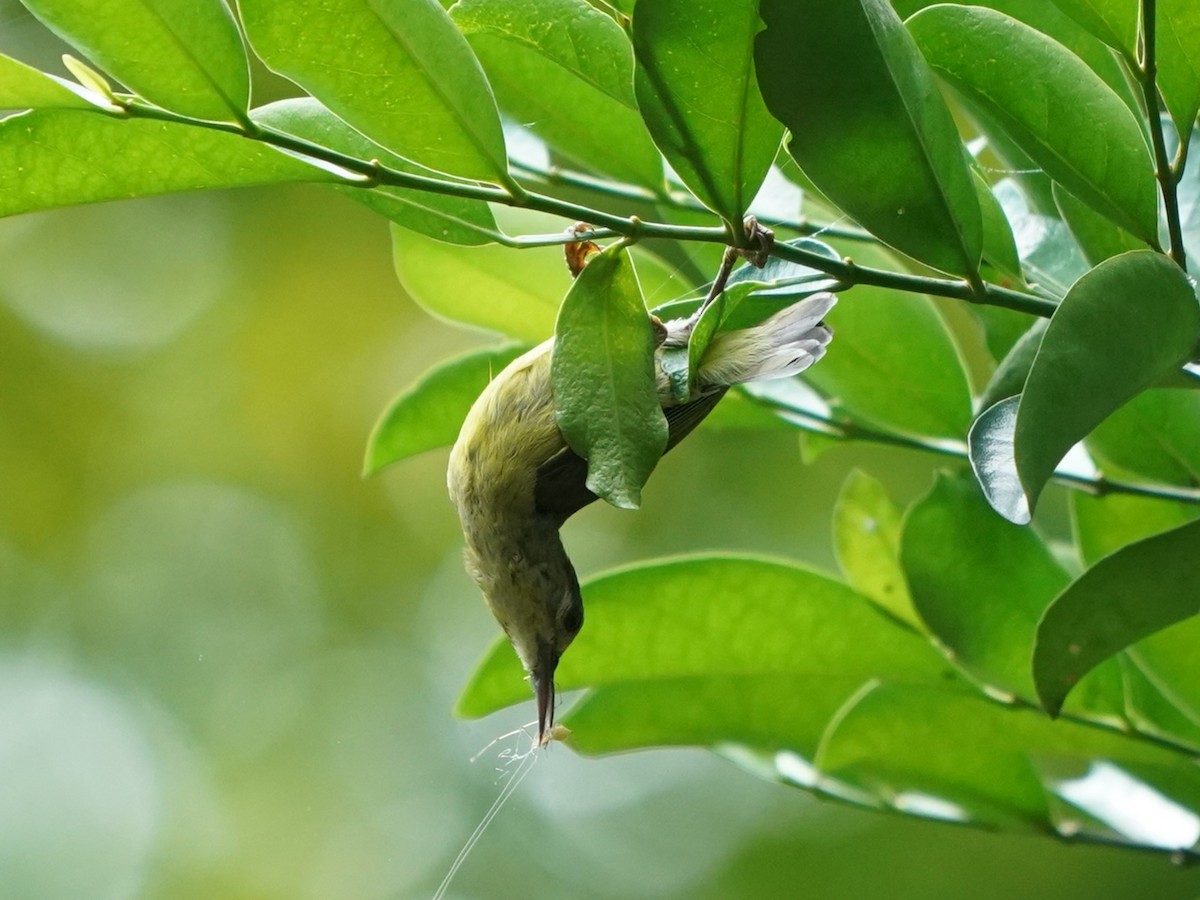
(698, 94)
(41, 165)
(399, 72)
(866, 539)
(716, 617)
(456, 220)
(844, 119)
(24, 87)
(514, 293)
(1108, 608)
(1050, 103)
(602, 373)
(429, 414)
(571, 80)
(182, 55)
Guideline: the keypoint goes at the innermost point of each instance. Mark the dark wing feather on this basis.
(561, 488)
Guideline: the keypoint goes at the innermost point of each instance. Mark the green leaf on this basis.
(940, 752)
(1050, 257)
(1108, 608)
(981, 584)
(565, 68)
(1009, 378)
(509, 292)
(716, 618)
(41, 165)
(990, 447)
(1103, 525)
(399, 72)
(698, 94)
(1050, 103)
(978, 761)
(1179, 61)
(180, 54)
(603, 377)
(24, 87)
(1156, 436)
(1123, 325)
(866, 540)
(894, 363)
(885, 105)
(1098, 237)
(999, 246)
(1113, 21)
(456, 220)
(430, 413)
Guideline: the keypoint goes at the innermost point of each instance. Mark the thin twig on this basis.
(843, 429)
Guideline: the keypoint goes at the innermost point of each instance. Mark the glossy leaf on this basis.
(1108, 608)
(430, 413)
(896, 365)
(603, 378)
(990, 446)
(565, 68)
(844, 118)
(515, 294)
(180, 54)
(696, 87)
(1178, 57)
(716, 617)
(41, 165)
(1123, 325)
(399, 72)
(1050, 103)
(456, 220)
(866, 540)
(24, 87)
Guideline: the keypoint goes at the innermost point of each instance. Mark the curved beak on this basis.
(543, 686)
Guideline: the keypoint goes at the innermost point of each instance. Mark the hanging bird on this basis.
(515, 481)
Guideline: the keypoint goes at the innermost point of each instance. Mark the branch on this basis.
(1167, 176)
(367, 174)
(843, 429)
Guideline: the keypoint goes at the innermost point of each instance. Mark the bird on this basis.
(514, 480)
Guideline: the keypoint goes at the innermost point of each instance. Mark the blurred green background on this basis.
(227, 662)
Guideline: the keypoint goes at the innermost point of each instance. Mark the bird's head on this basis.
(536, 600)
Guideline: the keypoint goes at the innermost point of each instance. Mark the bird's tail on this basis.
(788, 342)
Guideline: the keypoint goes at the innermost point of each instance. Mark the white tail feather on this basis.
(788, 342)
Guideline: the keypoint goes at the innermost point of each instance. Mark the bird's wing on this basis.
(560, 488)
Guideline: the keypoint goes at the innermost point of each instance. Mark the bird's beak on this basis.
(543, 686)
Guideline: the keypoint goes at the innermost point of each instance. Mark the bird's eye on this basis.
(572, 619)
